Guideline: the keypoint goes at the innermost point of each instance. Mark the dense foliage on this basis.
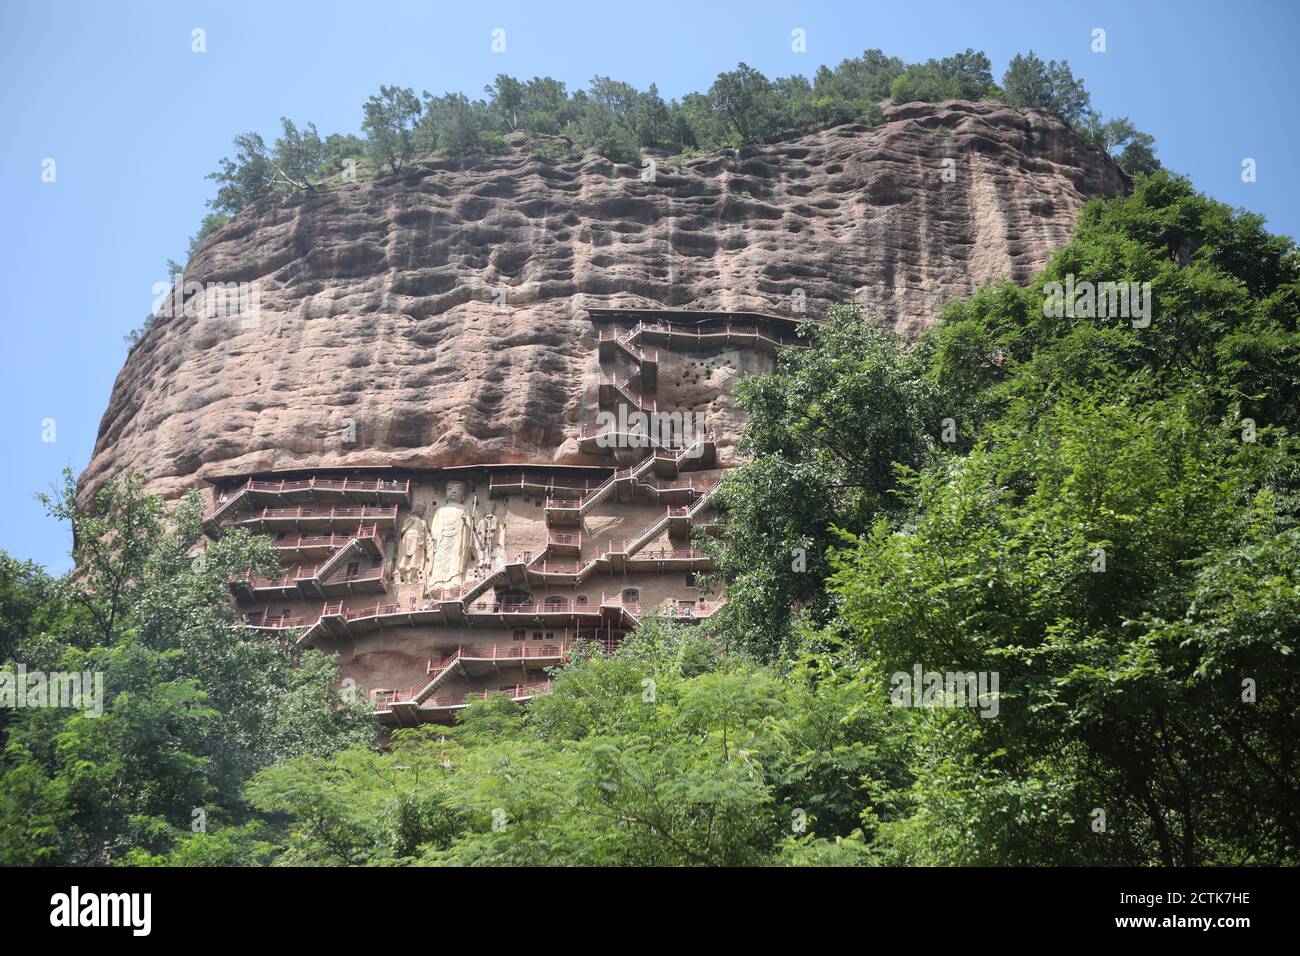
(1100, 510)
(665, 754)
(191, 705)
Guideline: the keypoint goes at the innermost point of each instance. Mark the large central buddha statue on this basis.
(452, 544)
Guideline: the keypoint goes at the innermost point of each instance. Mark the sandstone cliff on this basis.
(442, 313)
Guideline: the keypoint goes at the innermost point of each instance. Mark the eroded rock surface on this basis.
(441, 314)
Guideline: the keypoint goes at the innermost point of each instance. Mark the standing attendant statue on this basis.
(413, 542)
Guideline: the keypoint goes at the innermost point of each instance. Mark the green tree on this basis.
(546, 107)
(507, 100)
(1062, 555)
(29, 602)
(664, 753)
(1222, 317)
(743, 97)
(359, 807)
(819, 458)
(390, 120)
(652, 120)
(456, 125)
(962, 76)
(297, 155)
(1112, 533)
(618, 98)
(336, 151)
(1029, 81)
(191, 703)
(855, 87)
(1136, 150)
(245, 179)
(792, 98)
(598, 127)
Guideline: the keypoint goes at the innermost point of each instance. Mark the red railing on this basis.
(547, 566)
(571, 504)
(415, 607)
(531, 610)
(506, 653)
(511, 652)
(625, 342)
(627, 393)
(379, 610)
(626, 474)
(727, 329)
(301, 573)
(335, 609)
(663, 554)
(527, 481)
(645, 440)
(314, 484)
(680, 612)
(328, 484)
(325, 540)
(518, 692)
(266, 620)
(688, 485)
(570, 568)
(330, 514)
(386, 699)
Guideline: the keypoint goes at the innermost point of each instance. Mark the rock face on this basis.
(439, 317)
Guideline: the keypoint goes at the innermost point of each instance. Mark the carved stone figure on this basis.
(452, 542)
(499, 545)
(412, 545)
(491, 539)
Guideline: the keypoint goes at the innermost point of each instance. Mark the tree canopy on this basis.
(191, 705)
(1109, 524)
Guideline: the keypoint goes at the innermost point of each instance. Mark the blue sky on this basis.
(134, 121)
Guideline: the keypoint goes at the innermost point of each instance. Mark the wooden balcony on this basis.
(393, 710)
(308, 519)
(717, 331)
(304, 548)
(540, 485)
(568, 544)
(258, 493)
